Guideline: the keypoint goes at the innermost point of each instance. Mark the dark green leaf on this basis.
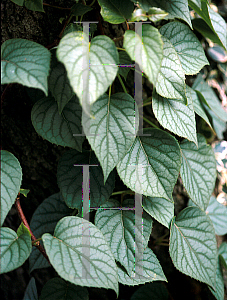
(154, 291)
(59, 129)
(124, 59)
(59, 289)
(80, 9)
(31, 291)
(70, 179)
(34, 5)
(116, 11)
(44, 219)
(59, 85)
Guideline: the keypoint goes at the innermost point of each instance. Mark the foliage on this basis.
(105, 139)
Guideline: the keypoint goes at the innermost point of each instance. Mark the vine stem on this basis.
(122, 192)
(58, 7)
(25, 222)
(122, 83)
(149, 122)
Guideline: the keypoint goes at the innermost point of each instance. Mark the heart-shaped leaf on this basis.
(192, 242)
(11, 177)
(70, 179)
(171, 78)
(160, 209)
(12, 245)
(112, 130)
(25, 62)
(187, 46)
(147, 269)
(152, 164)
(175, 116)
(150, 47)
(116, 226)
(59, 128)
(218, 214)
(198, 171)
(91, 67)
(80, 254)
(59, 289)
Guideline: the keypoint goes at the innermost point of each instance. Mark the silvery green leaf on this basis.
(90, 66)
(147, 269)
(149, 47)
(218, 214)
(151, 165)
(118, 227)
(25, 62)
(174, 8)
(13, 246)
(171, 78)
(198, 171)
(11, 177)
(187, 46)
(193, 246)
(160, 209)
(79, 253)
(175, 116)
(112, 129)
